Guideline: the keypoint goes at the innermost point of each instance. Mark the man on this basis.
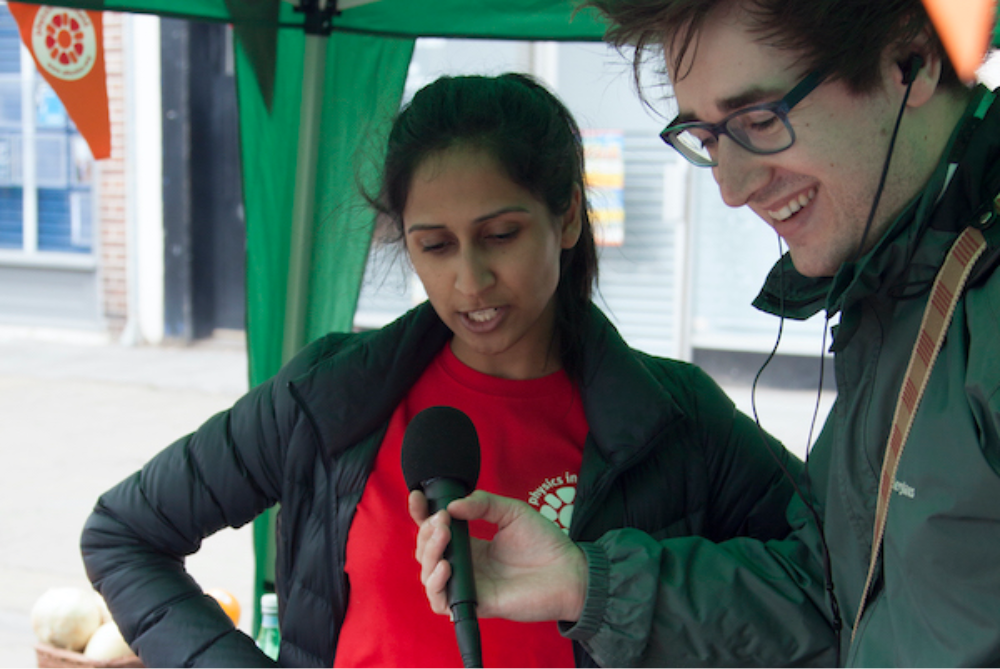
(794, 106)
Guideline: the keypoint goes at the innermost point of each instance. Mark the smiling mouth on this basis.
(793, 206)
(483, 315)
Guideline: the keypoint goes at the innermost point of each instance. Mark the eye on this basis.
(431, 241)
(700, 140)
(765, 125)
(764, 122)
(503, 236)
(434, 247)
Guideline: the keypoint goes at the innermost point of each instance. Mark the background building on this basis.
(678, 276)
(62, 236)
(149, 245)
(146, 245)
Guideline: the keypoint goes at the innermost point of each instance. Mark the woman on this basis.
(483, 180)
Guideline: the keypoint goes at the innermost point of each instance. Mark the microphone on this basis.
(441, 458)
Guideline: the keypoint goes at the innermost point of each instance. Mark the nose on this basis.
(473, 274)
(739, 172)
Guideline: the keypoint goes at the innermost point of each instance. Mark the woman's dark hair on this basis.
(533, 138)
(845, 38)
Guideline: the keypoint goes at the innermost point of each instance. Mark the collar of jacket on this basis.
(356, 382)
(353, 388)
(626, 406)
(904, 262)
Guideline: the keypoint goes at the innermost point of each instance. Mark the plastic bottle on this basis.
(269, 636)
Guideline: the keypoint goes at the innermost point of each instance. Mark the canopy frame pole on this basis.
(318, 25)
(304, 200)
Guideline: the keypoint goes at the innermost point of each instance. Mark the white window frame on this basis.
(29, 254)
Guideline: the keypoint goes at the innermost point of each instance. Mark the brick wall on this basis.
(112, 187)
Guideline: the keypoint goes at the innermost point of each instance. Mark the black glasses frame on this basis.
(779, 108)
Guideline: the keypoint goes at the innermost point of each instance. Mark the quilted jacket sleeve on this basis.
(750, 472)
(692, 602)
(717, 600)
(135, 541)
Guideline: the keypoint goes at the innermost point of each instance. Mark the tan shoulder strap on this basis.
(945, 293)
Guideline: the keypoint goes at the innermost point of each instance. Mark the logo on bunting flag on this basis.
(68, 48)
(64, 42)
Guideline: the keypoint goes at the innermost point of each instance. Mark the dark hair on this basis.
(533, 138)
(845, 38)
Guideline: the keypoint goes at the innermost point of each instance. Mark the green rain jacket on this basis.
(936, 598)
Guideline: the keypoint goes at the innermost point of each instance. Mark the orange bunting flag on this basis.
(965, 28)
(68, 48)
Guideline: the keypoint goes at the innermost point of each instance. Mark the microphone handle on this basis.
(467, 634)
(461, 586)
(462, 595)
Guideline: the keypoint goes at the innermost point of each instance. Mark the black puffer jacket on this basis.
(667, 453)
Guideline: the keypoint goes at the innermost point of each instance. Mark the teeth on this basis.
(793, 205)
(482, 315)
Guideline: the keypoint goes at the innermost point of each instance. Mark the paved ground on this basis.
(76, 418)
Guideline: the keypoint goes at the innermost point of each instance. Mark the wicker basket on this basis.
(50, 656)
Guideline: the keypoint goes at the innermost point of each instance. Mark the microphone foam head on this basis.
(440, 442)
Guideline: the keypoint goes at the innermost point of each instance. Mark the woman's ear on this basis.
(572, 220)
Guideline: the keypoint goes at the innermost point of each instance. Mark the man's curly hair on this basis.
(845, 38)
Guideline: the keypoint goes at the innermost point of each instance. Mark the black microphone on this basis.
(441, 458)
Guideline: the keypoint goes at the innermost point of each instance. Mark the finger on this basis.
(423, 534)
(436, 587)
(417, 504)
(486, 506)
(432, 550)
(426, 531)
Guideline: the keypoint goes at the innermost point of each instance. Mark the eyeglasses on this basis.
(762, 129)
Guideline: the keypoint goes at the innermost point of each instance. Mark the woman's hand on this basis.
(530, 571)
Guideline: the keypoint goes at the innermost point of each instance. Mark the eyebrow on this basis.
(736, 102)
(476, 221)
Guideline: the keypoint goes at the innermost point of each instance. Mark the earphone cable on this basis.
(836, 621)
(885, 173)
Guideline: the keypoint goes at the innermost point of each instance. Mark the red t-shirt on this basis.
(531, 436)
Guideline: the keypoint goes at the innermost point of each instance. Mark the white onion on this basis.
(66, 617)
(107, 644)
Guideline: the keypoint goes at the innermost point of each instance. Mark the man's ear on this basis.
(572, 220)
(918, 63)
(911, 67)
